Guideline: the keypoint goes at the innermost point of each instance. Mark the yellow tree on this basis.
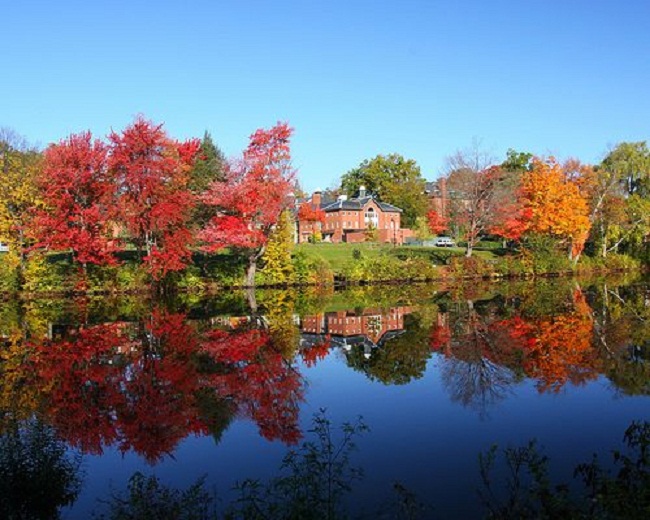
(19, 165)
(278, 268)
(557, 206)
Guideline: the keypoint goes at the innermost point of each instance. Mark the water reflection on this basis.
(142, 376)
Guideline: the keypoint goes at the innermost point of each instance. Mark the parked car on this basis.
(4, 248)
(443, 242)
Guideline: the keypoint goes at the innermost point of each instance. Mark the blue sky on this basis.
(354, 78)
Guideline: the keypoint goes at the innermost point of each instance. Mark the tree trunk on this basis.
(468, 251)
(252, 267)
(250, 272)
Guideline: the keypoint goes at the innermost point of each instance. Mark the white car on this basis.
(443, 242)
(4, 248)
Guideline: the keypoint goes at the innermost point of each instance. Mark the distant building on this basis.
(438, 196)
(351, 220)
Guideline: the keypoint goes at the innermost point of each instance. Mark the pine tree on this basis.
(209, 166)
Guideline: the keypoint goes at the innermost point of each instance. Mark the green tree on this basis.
(630, 163)
(517, 161)
(622, 189)
(209, 166)
(392, 179)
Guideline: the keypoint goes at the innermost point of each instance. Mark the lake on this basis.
(220, 388)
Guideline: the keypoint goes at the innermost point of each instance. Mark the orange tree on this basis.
(556, 205)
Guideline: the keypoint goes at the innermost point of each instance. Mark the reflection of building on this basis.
(351, 220)
(370, 328)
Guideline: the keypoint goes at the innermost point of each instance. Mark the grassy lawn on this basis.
(338, 255)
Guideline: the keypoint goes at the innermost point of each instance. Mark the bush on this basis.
(471, 267)
(387, 267)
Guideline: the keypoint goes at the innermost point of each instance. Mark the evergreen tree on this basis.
(210, 166)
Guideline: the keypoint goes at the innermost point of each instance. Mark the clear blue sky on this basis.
(354, 78)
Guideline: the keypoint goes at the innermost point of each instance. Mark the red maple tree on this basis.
(437, 222)
(252, 197)
(78, 192)
(309, 213)
(151, 173)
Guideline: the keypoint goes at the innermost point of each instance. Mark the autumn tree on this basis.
(314, 217)
(472, 182)
(79, 196)
(392, 179)
(557, 208)
(249, 202)
(278, 268)
(151, 174)
(436, 222)
(19, 194)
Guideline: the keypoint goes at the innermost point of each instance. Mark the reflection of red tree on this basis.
(81, 383)
(440, 338)
(315, 353)
(139, 386)
(160, 388)
(103, 387)
(259, 380)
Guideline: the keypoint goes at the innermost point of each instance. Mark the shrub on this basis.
(471, 267)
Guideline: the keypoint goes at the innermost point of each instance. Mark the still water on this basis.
(221, 388)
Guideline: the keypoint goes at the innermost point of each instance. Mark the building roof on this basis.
(358, 204)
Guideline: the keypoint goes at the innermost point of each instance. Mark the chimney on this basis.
(316, 198)
(362, 191)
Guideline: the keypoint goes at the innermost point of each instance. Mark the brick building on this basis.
(438, 196)
(350, 220)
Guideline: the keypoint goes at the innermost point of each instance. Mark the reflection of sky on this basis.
(418, 437)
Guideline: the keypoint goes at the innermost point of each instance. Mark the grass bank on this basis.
(311, 264)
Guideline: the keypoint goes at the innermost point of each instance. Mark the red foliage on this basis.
(154, 203)
(263, 385)
(437, 223)
(439, 338)
(254, 193)
(316, 353)
(310, 213)
(510, 220)
(78, 193)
